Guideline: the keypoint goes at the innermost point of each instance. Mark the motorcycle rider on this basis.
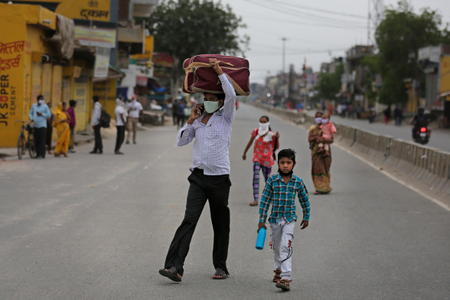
(420, 120)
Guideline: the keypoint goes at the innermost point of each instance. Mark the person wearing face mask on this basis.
(39, 113)
(320, 166)
(134, 110)
(266, 142)
(210, 126)
(328, 130)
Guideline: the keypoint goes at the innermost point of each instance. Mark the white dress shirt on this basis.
(134, 107)
(96, 113)
(212, 141)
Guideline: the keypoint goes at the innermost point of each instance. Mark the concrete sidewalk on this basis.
(81, 138)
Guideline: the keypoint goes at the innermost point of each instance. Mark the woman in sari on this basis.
(320, 169)
(62, 129)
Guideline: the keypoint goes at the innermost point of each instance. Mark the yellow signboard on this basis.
(13, 48)
(445, 75)
(98, 10)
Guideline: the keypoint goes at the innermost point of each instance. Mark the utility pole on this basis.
(375, 16)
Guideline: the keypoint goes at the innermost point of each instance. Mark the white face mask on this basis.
(263, 128)
(318, 120)
(41, 101)
(324, 121)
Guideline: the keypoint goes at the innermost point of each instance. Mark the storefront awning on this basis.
(113, 73)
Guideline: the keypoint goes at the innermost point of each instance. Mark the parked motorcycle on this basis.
(422, 135)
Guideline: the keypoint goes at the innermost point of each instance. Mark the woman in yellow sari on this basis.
(62, 129)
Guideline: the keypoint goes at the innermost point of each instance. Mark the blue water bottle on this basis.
(261, 239)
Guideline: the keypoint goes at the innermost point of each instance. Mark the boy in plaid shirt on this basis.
(280, 191)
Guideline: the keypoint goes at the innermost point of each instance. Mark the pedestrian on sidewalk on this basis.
(121, 117)
(387, 114)
(266, 144)
(280, 191)
(72, 124)
(95, 121)
(398, 115)
(38, 114)
(180, 113)
(174, 111)
(134, 110)
(210, 177)
(61, 124)
(49, 133)
(320, 166)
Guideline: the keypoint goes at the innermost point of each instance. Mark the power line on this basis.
(308, 24)
(333, 22)
(289, 7)
(324, 10)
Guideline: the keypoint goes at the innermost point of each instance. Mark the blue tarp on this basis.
(151, 85)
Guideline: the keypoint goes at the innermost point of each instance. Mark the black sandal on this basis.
(221, 273)
(171, 273)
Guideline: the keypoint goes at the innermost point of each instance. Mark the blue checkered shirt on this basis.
(212, 140)
(282, 198)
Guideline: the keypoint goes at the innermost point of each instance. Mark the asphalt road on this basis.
(439, 139)
(99, 226)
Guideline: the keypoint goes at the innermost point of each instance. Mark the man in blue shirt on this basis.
(39, 113)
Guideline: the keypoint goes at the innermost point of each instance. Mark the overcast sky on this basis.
(316, 30)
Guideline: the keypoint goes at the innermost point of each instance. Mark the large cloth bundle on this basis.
(200, 77)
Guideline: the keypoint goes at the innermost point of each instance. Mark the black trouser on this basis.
(180, 120)
(216, 190)
(120, 137)
(174, 118)
(98, 139)
(40, 134)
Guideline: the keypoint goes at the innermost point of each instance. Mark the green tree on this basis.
(330, 83)
(399, 37)
(185, 28)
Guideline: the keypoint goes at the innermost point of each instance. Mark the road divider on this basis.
(429, 166)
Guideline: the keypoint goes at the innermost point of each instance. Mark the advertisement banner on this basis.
(96, 34)
(81, 89)
(13, 82)
(101, 62)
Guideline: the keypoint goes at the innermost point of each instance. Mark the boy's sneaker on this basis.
(320, 150)
(326, 154)
(284, 284)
